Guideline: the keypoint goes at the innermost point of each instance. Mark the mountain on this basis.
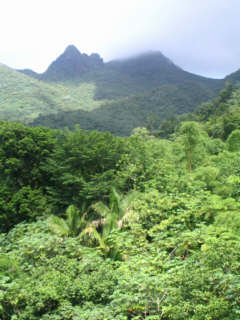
(126, 92)
(121, 78)
(70, 65)
(234, 77)
(23, 98)
(152, 69)
(29, 72)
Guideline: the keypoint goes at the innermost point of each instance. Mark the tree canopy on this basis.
(95, 226)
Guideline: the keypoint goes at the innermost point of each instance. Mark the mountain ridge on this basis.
(71, 53)
(129, 90)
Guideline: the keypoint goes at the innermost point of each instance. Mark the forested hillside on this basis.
(148, 108)
(219, 117)
(23, 98)
(95, 226)
(116, 96)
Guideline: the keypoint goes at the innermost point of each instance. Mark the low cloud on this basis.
(201, 37)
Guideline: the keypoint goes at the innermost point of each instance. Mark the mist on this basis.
(200, 37)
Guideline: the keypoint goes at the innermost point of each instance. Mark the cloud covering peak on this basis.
(201, 37)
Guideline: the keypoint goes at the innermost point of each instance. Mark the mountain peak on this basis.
(72, 50)
(147, 65)
(71, 64)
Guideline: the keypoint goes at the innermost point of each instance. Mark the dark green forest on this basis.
(96, 226)
(148, 108)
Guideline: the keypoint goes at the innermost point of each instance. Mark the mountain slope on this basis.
(234, 77)
(23, 98)
(120, 117)
(127, 92)
(121, 78)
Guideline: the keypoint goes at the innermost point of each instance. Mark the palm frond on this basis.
(110, 224)
(91, 231)
(101, 209)
(58, 226)
(115, 200)
(72, 218)
(125, 218)
(127, 201)
(99, 222)
(75, 219)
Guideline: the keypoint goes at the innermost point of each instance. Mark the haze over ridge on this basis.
(200, 37)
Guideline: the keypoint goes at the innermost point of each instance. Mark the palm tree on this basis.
(112, 219)
(118, 210)
(108, 248)
(101, 230)
(74, 223)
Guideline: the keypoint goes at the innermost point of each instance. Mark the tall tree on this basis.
(191, 137)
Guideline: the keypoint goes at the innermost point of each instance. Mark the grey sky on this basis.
(200, 36)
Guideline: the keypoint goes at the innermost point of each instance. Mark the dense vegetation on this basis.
(120, 117)
(95, 226)
(219, 117)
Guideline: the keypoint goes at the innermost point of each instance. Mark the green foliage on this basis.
(233, 141)
(121, 115)
(75, 222)
(220, 116)
(193, 142)
(217, 105)
(118, 228)
(103, 227)
(25, 99)
(83, 166)
(23, 154)
(207, 177)
(112, 219)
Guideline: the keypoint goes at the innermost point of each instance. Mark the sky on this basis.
(201, 37)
